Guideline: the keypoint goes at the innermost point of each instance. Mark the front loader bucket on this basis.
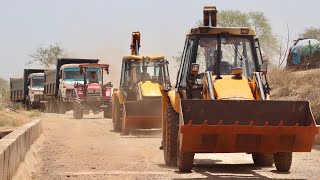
(144, 114)
(246, 126)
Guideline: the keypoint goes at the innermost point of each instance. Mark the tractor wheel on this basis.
(77, 111)
(107, 113)
(116, 115)
(62, 106)
(170, 136)
(185, 160)
(260, 159)
(283, 161)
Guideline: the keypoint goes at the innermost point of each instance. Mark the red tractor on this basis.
(92, 94)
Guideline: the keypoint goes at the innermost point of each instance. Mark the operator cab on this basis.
(141, 69)
(223, 52)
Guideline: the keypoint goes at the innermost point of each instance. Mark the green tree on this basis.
(47, 56)
(254, 19)
(311, 32)
(233, 18)
(260, 23)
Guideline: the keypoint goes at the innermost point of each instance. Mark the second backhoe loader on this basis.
(137, 102)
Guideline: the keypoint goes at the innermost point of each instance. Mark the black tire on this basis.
(28, 105)
(283, 161)
(116, 115)
(107, 113)
(53, 106)
(124, 131)
(170, 136)
(77, 111)
(62, 106)
(48, 106)
(260, 159)
(185, 160)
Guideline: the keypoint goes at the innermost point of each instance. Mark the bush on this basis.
(34, 113)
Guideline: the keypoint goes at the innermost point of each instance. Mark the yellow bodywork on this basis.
(150, 89)
(244, 31)
(119, 95)
(145, 58)
(229, 88)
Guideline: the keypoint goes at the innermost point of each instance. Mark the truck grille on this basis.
(69, 92)
(38, 97)
(94, 94)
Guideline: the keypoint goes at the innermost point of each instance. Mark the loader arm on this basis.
(135, 43)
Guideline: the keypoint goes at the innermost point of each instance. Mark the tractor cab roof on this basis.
(146, 58)
(206, 30)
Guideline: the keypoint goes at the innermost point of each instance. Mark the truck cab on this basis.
(35, 90)
(70, 75)
(59, 84)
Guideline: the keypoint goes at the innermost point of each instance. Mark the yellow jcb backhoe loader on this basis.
(221, 103)
(137, 102)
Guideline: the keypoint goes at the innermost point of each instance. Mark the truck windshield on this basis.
(37, 82)
(73, 74)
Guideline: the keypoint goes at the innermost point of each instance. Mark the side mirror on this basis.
(195, 68)
(107, 70)
(264, 69)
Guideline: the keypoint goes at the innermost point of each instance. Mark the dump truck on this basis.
(29, 89)
(59, 84)
(92, 94)
(221, 103)
(137, 102)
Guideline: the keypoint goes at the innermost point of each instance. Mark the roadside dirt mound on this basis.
(298, 85)
(13, 115)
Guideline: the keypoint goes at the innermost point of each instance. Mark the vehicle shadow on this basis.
(143, 133)
(214, 169)
(134, 137)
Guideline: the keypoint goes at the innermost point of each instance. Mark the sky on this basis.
(102, 28)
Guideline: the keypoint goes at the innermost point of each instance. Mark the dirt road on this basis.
(89, 149)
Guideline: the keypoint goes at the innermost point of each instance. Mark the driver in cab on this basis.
(225, 67)
(93, 78)
(145, 76)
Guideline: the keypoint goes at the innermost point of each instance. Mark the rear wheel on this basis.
(48, 106)
(261, 159)
(53, 106)
(77, 111)
(28, 105)
(170, 136)
(62, 106)
(283, 161)
(107, 113)
(116, 115)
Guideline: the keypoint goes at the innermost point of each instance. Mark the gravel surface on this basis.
(89, 149)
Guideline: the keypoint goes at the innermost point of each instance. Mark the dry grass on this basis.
(298, 85)
(12, 115)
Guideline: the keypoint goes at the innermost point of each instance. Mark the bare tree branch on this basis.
(47, 56)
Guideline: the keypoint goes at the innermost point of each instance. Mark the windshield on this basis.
(37, 82)
(73, 74)
(235, 52)
(137, 71)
